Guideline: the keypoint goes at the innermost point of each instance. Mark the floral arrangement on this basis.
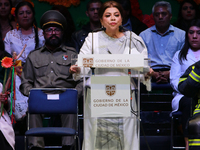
(137, 12)
(148, 20)
(135, 8)
(66, 3)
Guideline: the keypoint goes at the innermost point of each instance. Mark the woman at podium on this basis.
(111, 133)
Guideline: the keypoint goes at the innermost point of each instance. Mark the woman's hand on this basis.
(149, 74)
(3, 97)
(74, 69)
(18, 70)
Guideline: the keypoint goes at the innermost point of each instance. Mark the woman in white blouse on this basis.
(27, 33)
(182, 59)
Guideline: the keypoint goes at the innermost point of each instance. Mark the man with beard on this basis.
(48, 67)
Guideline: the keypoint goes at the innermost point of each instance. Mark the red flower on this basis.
(7, 62)
(148, 20)
(136, 11)
(13, 11)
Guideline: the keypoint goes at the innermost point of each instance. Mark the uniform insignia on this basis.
(65, 57)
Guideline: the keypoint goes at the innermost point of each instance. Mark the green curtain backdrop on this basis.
(80, 18)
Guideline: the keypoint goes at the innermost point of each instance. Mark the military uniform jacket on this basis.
(189, 83)
(47, 69)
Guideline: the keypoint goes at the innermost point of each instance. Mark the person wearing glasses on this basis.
(48, 67)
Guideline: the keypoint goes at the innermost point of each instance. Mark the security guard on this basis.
(189, 85)
(48, 67)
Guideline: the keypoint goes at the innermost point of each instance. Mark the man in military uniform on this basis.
(48, 67)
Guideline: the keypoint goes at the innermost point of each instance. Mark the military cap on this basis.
(53, 17)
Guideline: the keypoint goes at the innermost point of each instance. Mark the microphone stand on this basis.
(95, 30)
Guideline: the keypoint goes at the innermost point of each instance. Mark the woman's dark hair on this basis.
(70, 23)
(180, 20)
(110, 4)
(184, 51)
(25, 3)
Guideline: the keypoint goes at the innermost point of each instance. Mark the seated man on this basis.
(162, 41)
(48, 67)
(79, 36)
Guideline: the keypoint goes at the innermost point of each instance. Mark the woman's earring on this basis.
(103, 28)
(34, 26)
(17, 26)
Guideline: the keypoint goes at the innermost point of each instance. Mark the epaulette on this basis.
(67, 48)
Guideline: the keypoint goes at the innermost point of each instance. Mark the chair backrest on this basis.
(63, 103)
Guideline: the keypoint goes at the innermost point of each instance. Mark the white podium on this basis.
(111, 100)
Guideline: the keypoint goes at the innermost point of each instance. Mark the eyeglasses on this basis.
(55, 30)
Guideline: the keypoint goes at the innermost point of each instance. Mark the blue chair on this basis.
(175, 115)
(63, 103)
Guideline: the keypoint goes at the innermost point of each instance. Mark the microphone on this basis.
(122, 28)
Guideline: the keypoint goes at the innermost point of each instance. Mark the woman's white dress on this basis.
(108, 133)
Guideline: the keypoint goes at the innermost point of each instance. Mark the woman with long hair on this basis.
(188, 55)
(28, 35)
(188, 11)
(6, 19)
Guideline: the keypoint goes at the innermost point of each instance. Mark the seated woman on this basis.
(7, 135)
(183, 59)
(188, 11)
(27, 33)
(6, 20)
(117, 133)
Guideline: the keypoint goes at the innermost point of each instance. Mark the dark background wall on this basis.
(79, 16)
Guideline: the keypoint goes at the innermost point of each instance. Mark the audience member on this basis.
(131, 22)
(189, 54)
(70, 24)
(188, 11)
(48, 67)
(7, 135)
(94, 23)
(6, 21)
(189, 82)
(162, 41)
(27, 33)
